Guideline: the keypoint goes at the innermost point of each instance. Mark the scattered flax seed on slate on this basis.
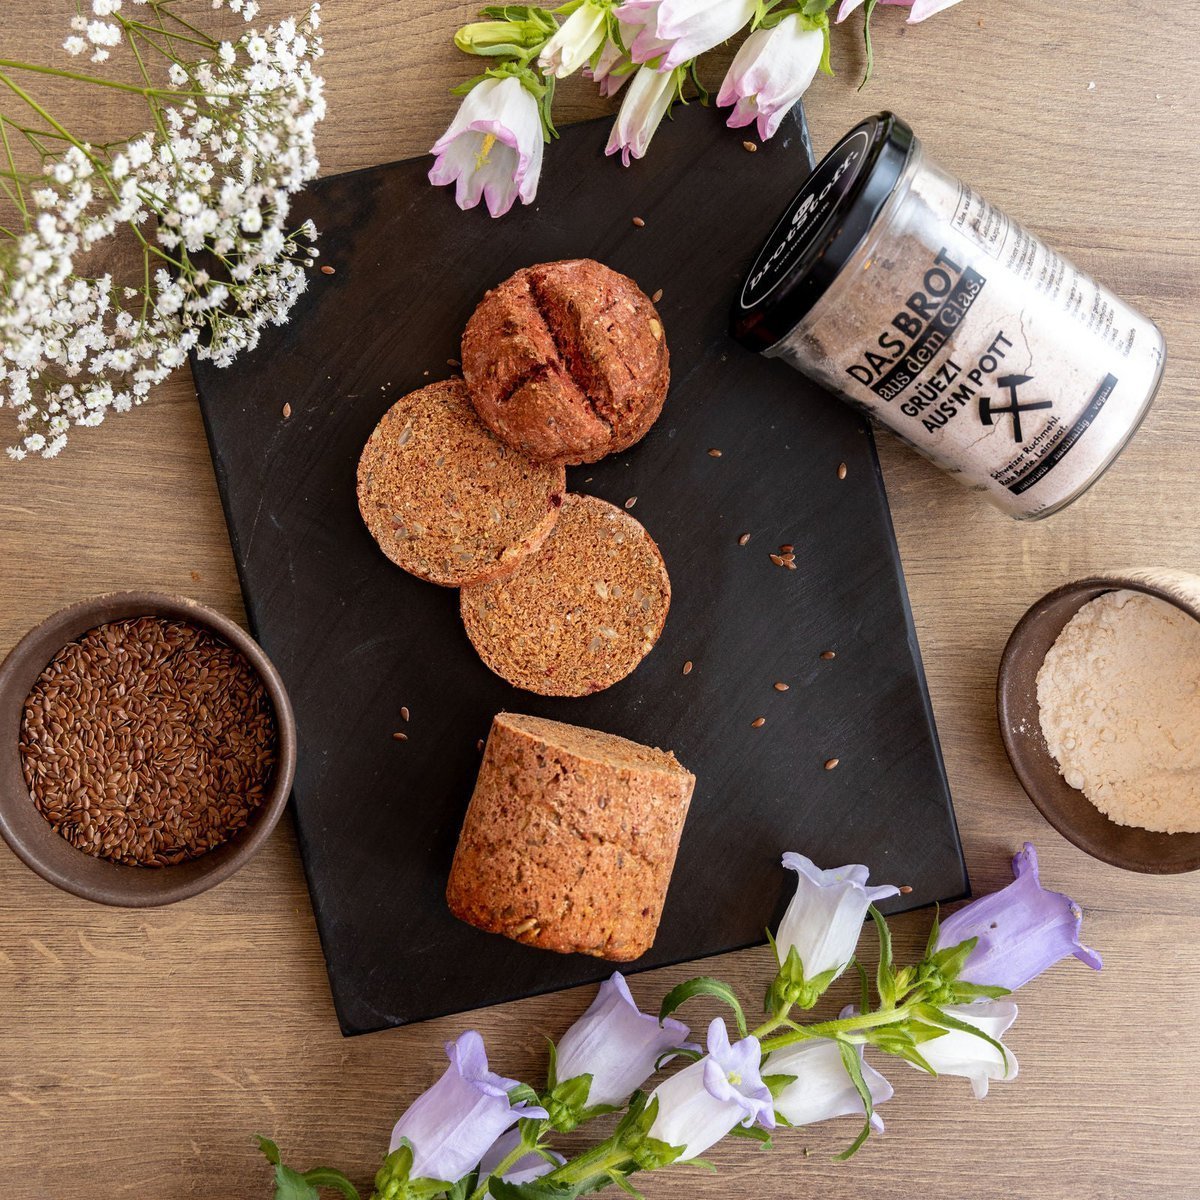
(657, 296)
(828, 654)
(714, 453)
(830, 763)
(786, 548)
(399, 737)
(287, 411)
(750, 147)
(841, 470)
(743, 539)
(404, 712)
(781, 687)
(631, 502)
(453, 362)
(776, 559)
(758, 722)
(479, 745)
(328, 270)
(906, 890)
(687, 667)
(639, 222)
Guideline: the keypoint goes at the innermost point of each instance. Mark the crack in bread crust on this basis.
(566, 361)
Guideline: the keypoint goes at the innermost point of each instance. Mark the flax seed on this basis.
(400, 736)
(776, 559)
(328, 270)
(658, 295)
(147, 741)
(830, 763)
(714, 453)
(786, 548)
(743, 539)
(287, 411)
(906, 890)
(687, 667)
(842, 470)
(758, 722)
(404, 712)
(750, 147)
(781, 687)
(631, 502)
(828, 654)
(639, 222)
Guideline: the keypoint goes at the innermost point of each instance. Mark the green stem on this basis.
(829, 1029)
(505, 1164)
(19, 196)
(8, 64)
(591, 1162)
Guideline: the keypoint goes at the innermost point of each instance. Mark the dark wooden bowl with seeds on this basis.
(147, 748)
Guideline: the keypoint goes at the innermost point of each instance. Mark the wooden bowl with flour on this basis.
(1067, 808)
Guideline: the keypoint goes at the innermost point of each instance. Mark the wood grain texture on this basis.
(139, 1050)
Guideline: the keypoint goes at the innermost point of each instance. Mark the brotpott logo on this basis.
(825, 188)
(919, 331)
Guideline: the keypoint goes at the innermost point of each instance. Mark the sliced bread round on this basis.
(580, 613)
(447, 500)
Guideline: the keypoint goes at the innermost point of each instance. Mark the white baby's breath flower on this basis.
(75, 45)
(72, 347)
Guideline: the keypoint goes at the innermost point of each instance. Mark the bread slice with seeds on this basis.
(446, 499)
(570, 838)
(580, 613)
(567, 361)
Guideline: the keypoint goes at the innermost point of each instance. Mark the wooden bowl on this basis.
(35, 841)
(1066, 808)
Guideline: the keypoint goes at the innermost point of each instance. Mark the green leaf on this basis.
(703, 985)
(623, 1183)
(966, 992)
(572, 1094)
(755, 1134)
(522, 1093)
(291, 1185)
(864, 988)
(868, 10)
(328, 1177)
(776, 1083)
(934, 930)
(950, 961)
(552, 1066)
(269, 1148)
(938, 1017)
(854, 1070)
(885, 975)
(536, 1189)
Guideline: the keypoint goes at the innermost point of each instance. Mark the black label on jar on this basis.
(824, 191)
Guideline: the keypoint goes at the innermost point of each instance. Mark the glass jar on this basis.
(897, 287)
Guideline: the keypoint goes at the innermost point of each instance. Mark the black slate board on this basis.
(355, 638)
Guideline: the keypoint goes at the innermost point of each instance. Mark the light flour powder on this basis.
(1119, 700)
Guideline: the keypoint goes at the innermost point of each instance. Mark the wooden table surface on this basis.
(139, 1050)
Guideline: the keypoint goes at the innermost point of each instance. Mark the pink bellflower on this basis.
(770, 72)
(493, 147)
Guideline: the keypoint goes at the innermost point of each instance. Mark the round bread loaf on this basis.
(580, 613)
(570, 838)
(567, 361)
(444, 498)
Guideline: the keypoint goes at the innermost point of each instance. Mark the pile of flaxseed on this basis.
(148, 741)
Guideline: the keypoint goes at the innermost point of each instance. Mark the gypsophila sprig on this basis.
(202, 197)
(475, 1134)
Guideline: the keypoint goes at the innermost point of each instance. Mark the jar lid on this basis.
(820, 231)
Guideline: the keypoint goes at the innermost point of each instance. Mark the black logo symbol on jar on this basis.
(989, 411)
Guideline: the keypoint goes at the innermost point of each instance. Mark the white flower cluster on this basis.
(206, 197)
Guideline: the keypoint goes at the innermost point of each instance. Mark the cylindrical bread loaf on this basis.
(570, 838)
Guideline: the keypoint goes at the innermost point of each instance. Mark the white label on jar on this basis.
(983, 348)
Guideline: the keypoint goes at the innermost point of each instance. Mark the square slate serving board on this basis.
(355, 638)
